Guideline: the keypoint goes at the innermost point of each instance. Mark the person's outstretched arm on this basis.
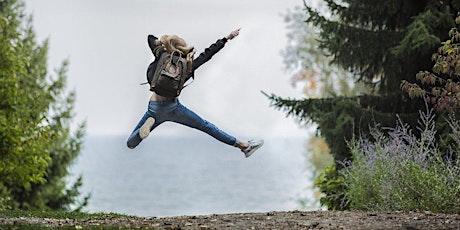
(213, 49)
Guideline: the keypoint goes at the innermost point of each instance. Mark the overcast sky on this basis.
(106, 44)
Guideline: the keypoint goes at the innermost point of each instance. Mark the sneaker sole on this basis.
(253, 150)
(145, 128)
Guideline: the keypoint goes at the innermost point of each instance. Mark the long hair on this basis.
(175, 43)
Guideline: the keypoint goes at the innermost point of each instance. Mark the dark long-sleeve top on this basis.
(197, 62)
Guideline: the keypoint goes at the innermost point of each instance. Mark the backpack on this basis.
(170, 73)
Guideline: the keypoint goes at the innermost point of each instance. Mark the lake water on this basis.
(191, 176)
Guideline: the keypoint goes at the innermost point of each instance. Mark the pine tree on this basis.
(381, 43)
(36, 143)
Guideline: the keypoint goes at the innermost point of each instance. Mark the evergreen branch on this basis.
(418, 35)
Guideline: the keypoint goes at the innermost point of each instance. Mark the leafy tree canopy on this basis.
(36, 143)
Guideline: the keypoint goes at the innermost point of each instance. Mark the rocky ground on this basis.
(268, 220)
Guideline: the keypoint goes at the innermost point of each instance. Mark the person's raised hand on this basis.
(233, 34)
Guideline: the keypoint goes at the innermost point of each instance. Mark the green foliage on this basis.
(419, 33)
(369, 39)
(36, 143)
(440, 87)
(381, 43)
(16, 120)
(397, 170)
(340, 118)
(5, 198)
(59, 214)
(375, 40)
(332, 184)
(43, 227)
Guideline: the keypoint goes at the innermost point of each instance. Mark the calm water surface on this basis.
(191, 176)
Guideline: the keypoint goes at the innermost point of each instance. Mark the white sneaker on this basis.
(145, 128)
(253, 146)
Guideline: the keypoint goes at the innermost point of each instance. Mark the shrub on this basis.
(331, 183)
(396, 170)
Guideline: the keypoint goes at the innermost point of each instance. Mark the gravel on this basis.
(267, 220)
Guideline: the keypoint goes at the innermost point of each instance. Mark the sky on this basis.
(105, 42)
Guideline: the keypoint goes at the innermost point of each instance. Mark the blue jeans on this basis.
(174, 111)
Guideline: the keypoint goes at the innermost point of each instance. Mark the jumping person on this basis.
(161, 109)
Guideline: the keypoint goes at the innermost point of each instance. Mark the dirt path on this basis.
(268, 220)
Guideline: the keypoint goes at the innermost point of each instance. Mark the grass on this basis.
(39, 227)
(59, 215)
